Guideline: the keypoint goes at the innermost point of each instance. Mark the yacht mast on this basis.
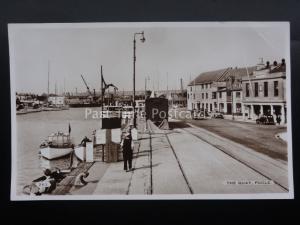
(48, 77)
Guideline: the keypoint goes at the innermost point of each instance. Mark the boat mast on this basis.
(64, 86)
(102, 91)
(48, 82)
(55, 93)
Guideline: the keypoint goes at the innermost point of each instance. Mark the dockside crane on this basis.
(105, 86)
(88, 89)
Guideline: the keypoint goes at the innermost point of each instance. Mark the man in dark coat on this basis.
(127, 145)
(84, 141)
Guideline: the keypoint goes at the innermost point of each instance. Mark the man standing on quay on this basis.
(127, 145)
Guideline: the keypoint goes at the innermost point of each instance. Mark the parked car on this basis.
(266, 119)
(199, 114)
(217, 115)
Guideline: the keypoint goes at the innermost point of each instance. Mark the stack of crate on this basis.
(98, 152)
(110, 148)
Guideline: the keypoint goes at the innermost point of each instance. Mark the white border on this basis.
(13, 27)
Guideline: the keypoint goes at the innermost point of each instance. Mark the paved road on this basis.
(210, 171)
(179, 162)
(258, 137)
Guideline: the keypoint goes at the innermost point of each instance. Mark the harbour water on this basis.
(33, 128)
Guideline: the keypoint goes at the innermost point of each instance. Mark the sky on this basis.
(170, 52)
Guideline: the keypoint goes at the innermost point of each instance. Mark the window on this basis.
(238, 107)
(220, 94)
(202, 86)
(247, 90)
(256, 89)
(194, 95)
(206, 95)
(191, 89)
(202, 95)
(238, 94)
(276, 90)
(214, 95)
(266, 89)
(205, 86)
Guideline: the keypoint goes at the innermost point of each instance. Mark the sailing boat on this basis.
(51, 107)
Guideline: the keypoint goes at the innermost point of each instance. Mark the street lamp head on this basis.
(143, 37)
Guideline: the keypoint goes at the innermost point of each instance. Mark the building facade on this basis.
(56, 100)
(218, 91)
(248, 92)
(264, 93)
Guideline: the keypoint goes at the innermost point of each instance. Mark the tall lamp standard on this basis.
(232, 79)
(134, 59)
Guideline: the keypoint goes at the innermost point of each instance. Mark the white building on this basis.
(56, 100)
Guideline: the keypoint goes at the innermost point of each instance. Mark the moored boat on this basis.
(65, 107)
(22, 111)
(57, 145)
(84, 152)
(51, 108)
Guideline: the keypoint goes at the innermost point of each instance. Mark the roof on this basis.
(221, 75)
(208, 77)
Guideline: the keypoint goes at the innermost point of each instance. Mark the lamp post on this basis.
(232, 79)
(134, 60)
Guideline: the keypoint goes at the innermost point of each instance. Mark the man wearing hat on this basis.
(127, 145)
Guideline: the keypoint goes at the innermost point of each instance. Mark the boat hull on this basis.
(54, 153)
(22, 111)
(80, 152)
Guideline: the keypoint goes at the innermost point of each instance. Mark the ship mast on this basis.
(48, 82)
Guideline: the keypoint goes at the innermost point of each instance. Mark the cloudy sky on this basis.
(171, 51)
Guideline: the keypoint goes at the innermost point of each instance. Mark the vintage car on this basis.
(217, 115)
(266, 119)
(200, 114)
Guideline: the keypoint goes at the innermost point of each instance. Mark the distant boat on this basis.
(33, 110)
(58, 145)
(21, 109)
(65, 107)
(52, 108)
(84, 105)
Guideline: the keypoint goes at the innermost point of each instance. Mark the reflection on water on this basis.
(34, 128)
